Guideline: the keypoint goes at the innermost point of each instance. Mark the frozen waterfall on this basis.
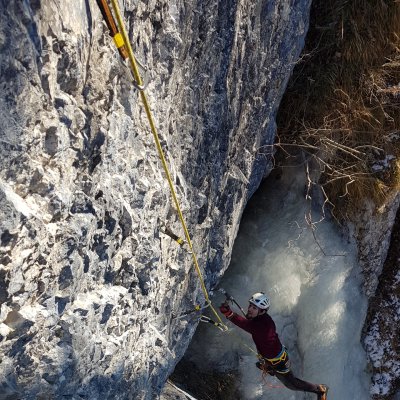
(316, 300)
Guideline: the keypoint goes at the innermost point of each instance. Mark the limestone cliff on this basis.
(381, 329)
(88, 284)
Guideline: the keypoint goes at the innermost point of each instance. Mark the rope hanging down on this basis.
(122, 42)
(139, 85)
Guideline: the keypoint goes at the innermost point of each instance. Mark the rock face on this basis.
(88, 283)
(377, 236)
(377, 233)
(373, 232)
(381, 330)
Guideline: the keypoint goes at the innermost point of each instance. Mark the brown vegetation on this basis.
(342, 106)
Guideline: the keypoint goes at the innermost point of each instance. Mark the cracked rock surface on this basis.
(88, 283)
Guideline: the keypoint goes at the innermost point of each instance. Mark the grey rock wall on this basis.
(372, 232)
(376, 232)
(88, 284)
(381, 330)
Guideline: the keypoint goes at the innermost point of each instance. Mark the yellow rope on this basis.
(138, 79)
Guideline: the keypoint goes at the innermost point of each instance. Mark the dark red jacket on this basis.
(263, 332)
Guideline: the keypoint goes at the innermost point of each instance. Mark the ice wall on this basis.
(316, 299)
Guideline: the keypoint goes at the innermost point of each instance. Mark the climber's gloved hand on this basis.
(226, 310)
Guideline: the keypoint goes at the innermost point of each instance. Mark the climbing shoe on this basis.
(322, 392)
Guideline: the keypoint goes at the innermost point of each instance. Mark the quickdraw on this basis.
(120, 44)
(203, 318)
(197, 308)
(220, 326)
(112, 27)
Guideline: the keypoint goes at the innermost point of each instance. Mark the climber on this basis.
(274, 358)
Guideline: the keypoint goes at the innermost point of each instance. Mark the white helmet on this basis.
(260, 300)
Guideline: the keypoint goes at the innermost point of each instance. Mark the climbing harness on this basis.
(282, 356)
(117, 34)
(281, 363)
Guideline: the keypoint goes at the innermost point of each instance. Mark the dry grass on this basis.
(346, 97)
